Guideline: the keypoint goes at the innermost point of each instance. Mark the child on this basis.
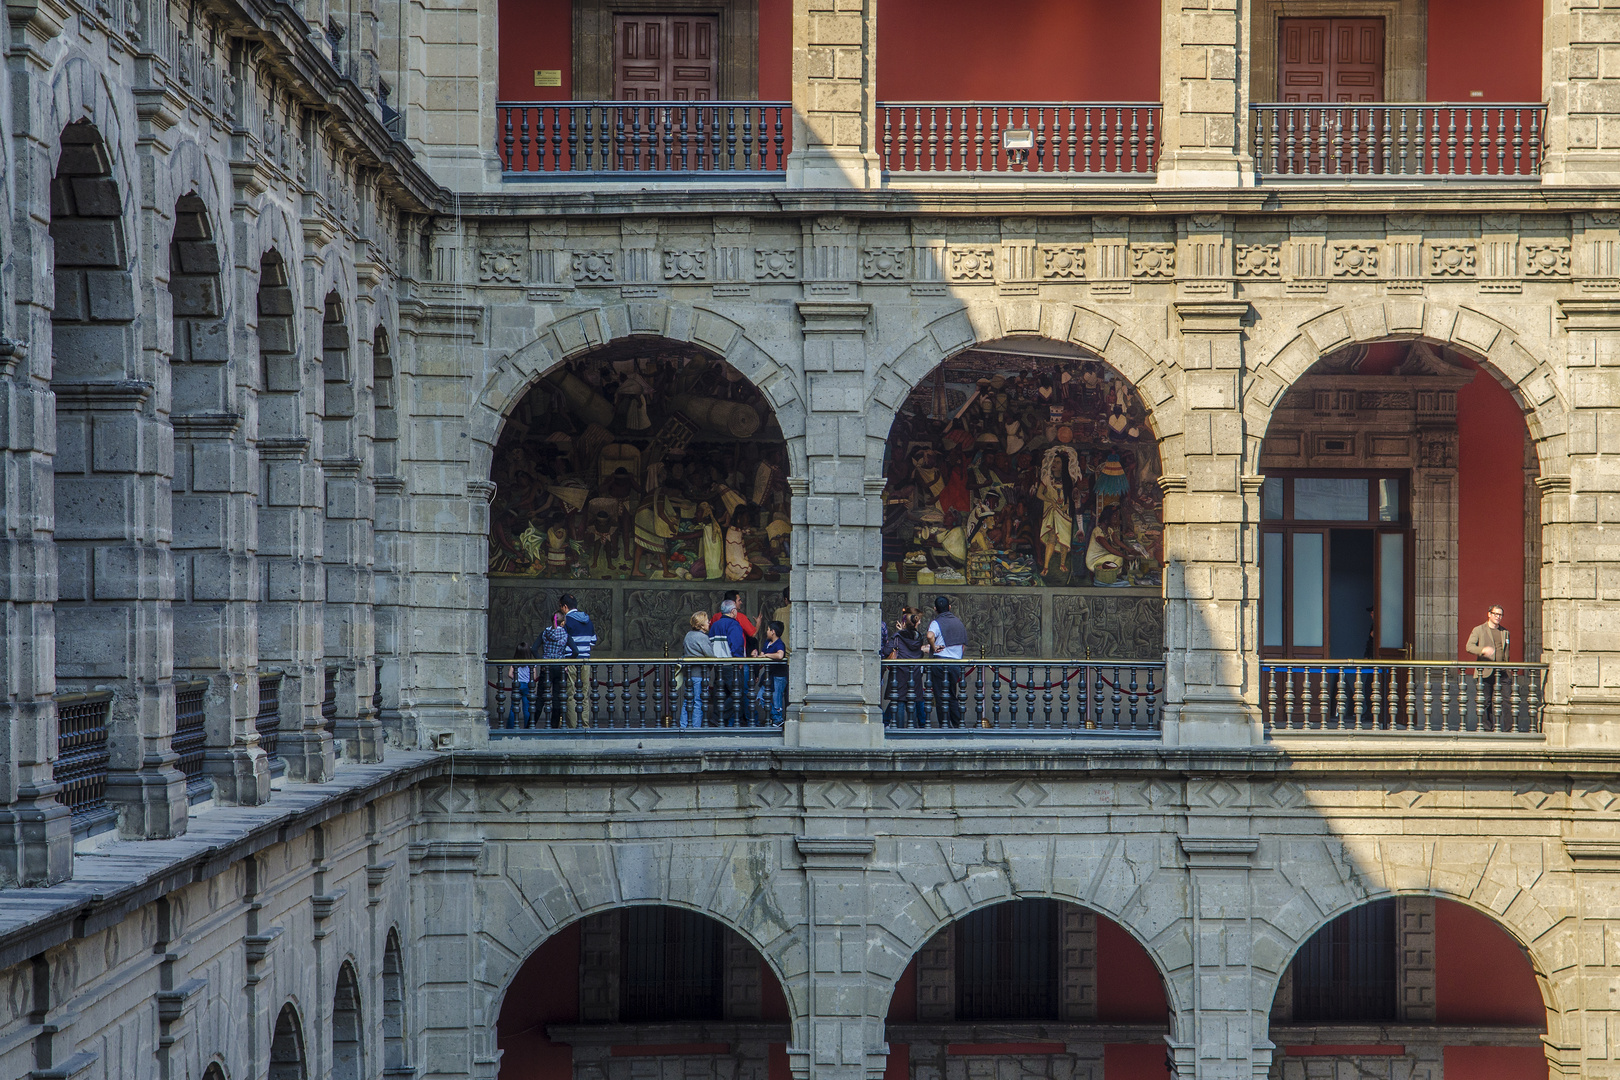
(522, 683)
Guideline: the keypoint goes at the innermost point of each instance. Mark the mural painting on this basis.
(1012, 470)
(642, 461)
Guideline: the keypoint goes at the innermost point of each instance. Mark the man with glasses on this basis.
(1489, 642)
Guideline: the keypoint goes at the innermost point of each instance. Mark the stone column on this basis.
(837, 539)
(1229, 1022)
(1211, 514)
(1205, 128)
(834, 95)
(1580, 512)
(1581, 74)
(36, 843)
(840, 1038)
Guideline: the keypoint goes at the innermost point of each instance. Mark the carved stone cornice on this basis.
(833, 316)
(1589, 313)
(1212, 316)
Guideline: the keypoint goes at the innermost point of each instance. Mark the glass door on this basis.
(1335, 566)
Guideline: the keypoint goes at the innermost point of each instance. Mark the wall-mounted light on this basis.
(1018, 142)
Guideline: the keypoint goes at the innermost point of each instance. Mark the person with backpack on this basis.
(726, 639)
(947, 640)
(581, 633)
(552, 644)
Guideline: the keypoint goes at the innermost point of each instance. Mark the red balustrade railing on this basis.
(1399, 140)
(557, 139)
(1037, 138)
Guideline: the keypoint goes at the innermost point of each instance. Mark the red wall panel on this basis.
(775, 50)
(1490, 509)
(1494, 1063)
(539, 996)
(1489, 45)
(1136, 1061)
(1481, 975)
(1017, 50)
(1128, 985)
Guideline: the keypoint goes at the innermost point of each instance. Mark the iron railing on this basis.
(1020, 137)
(190, 739)
(268, 720)
(1399, 140)
(1114, 696)
(1402, 696)
(572, 697)
(82, 756)
(562, 138)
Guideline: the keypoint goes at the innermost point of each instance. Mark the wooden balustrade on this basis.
(1394, 697)
(563, 138)
(1064, 138)
(1398, 140)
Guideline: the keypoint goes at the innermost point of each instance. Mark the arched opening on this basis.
(338, 376)
(280, 403)
(1431, 981)
(348, 1051)
(1023, 485)
(207, 499)
(215, 1071)
(644, 477)
(385, 419)
(653, 982)
(395, 1048)
(287, 1060)
(1031, 987)
(1397, 511)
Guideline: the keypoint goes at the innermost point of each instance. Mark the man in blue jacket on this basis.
(733, 677)
(581, 640)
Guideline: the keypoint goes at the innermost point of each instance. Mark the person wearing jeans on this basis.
(775, 651)
(522, 688)
(947, 640)
(696, 646)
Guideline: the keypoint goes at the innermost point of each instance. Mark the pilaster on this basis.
(1580, 73)
(841, 1038)
(834, 95)
(1229, 1029)
(1204, 133)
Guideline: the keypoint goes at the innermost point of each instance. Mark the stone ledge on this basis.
(111, 882)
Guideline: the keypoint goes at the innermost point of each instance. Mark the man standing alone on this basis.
(1489, 642)
(947, 639)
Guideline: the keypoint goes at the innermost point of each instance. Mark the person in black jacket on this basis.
(907, 695)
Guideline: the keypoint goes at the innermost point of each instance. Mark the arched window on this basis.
(348, 1050)
(395, 1054)
(287, 1060)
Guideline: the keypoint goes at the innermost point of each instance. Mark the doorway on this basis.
(665, 57)
(1330, 60)
(1335, 564)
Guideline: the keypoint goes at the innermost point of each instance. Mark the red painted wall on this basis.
(539, 996)
(1488, 45)
(1493, 1063)
(1017, 50)
(1139, 1061)
(1128, 985)
(1481, 974)
(1490, 509)
(539, 34)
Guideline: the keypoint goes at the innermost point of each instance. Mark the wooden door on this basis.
(1327, 60)
(665, 57)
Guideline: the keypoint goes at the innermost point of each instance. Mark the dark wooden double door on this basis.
(1330, 60)
(666, 57)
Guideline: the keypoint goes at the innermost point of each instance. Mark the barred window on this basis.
(1007, 962)
(672, 966)
(1347, 970)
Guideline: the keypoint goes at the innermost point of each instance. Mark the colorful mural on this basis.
(1017, 470)
(656, 462)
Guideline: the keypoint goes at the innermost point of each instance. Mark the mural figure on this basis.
(655, 462)
(1009, 470)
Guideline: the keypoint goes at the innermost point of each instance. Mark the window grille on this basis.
(1347, 970)
(672, 966)
(1007, 962)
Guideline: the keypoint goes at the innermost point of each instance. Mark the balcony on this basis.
(925, 139)
(1399, 141)
(1396, 698)
(643, 140)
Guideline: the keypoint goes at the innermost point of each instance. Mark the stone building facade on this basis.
(271, 303)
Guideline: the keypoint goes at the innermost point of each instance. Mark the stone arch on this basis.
(337, 358)
(675, 320)
(1526, 375)
(280, 381)
(215, 1071)
(1488, 878)
(288, 1057)
(348, 1027)
(1008, 318)
(394, 996)
(81, 92)
(384, 403)
(739, 886)
(1141, 910)
(93, 319)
